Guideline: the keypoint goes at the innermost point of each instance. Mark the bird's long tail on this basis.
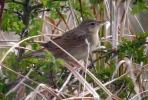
(36, 54)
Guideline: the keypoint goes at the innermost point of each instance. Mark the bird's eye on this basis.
(92, 24)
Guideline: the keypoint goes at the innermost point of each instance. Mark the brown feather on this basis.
(73, 41)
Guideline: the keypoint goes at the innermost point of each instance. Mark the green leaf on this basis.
(35, 26)
(44, 2)
(124, 40)
(102, 7)
(60, 62)
(53, 5)
(12, 95)
(11, 21)
(141, 5)
(48, 54)
(35, 46)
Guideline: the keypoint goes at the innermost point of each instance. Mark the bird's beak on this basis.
(104, 22)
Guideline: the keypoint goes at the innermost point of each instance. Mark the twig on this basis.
(27, 2)
(1, 73)
(124, 17)
(18, 81)
(65, 83)
(117, 67)
(42, 10)
(111, 17)
(8, 40)
(115, 28)
(61, 15)
(1, 11)
(54, 26)
(81, 10)
(134, 97)
(73, 15)
(18, 13)
(121, 87)
(33, 89)
(86, 63)
(130, 67)
(80, 98)
(138, 21)
(82, 80)
(16, 47)
(107, 83)
(18, 2)
(16, 87)
(50, 90)
(36, 6)
(108, 53)
(117, 3)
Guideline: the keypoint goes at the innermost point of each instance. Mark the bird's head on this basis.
(92, 25)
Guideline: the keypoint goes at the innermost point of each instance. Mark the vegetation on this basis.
(46, 78)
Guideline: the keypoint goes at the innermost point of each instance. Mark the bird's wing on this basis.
(71, 39)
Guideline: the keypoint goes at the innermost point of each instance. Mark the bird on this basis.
(73, 41)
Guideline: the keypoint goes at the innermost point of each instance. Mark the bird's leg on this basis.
(73, 64)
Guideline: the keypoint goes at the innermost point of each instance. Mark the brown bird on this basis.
(73, 41)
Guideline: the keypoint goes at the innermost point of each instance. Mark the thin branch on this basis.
(42, 10)
(61, 15)
(108, 53)
(81, 10)
(54, 26)
(18, 81)
(72, 13)
(115, 28)
(19, 84)
(18, 2)
(36, 6)
(27, 2)
(124, 17)
(65, 83)
(117, 3)
(1, 11)
(110, 16)
(137, 21)
(18, 13)
(8, 46)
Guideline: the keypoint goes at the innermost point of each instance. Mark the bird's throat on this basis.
(94, 40)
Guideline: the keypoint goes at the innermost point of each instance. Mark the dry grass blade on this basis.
(72, 12)
(19, 74)
(54, 26)
(14, 88)
(82, 80)
(124, 17)
(49, 90)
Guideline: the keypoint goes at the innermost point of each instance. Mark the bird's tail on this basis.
(36, 54)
